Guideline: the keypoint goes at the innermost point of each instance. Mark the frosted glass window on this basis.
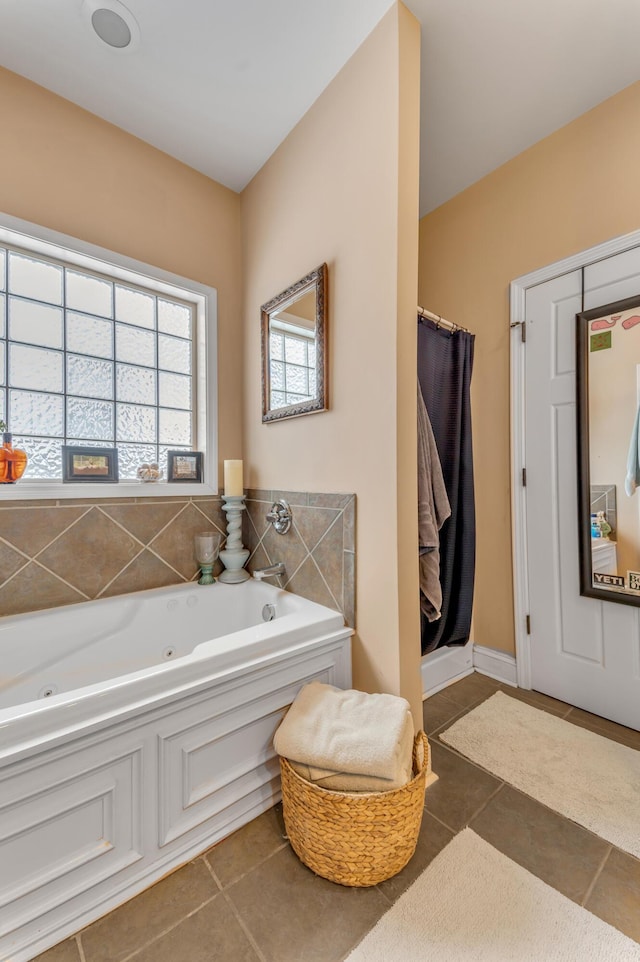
(87, 443)
(165, 448)
(295, 350)
(136, 423)
(135, 384)
(45, 456)
(174, 318)
(135, 346)
(88, 359)
(35, 278)
(35, 323)
(276, 346)
(277, 376)
(175, 427)
(89, 376)
(35, 367)
(297, 379)
(90, 419)
(89, 335)
(175, 390)
(89, 294)
(32, 412)
(174, 354)
(131, 456)
(134, 307)
(293, 375)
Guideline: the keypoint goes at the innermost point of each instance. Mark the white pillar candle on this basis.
(233, 486)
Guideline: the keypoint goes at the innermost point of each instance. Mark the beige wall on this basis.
(343, 188)
(572, 190)
(66, 169)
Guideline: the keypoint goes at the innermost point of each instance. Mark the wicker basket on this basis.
(355, 838)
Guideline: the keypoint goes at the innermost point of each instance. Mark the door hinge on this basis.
(523, 329)
(528, 620)
(524, 477)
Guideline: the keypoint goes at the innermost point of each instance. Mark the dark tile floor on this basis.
(250, 899)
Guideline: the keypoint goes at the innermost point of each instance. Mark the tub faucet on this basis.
(270, 571)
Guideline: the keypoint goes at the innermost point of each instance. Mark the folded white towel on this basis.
(348, 782)
(348, 732)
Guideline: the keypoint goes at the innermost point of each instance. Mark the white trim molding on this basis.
(518, 491)
(495, 664)
(444, 666)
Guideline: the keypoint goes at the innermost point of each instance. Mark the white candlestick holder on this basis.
(234, 556)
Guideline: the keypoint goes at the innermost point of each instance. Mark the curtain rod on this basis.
(442, 321)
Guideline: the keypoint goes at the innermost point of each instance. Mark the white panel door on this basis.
(583, 651)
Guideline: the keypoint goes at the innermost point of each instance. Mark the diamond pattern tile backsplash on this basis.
(59, 553)
(318, 551)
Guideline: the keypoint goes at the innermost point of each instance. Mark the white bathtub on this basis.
(135, 732)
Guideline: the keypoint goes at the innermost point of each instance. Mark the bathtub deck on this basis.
(104, 792)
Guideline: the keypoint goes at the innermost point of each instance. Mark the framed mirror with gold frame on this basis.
(294, 349)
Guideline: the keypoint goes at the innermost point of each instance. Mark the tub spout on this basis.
(270, 571)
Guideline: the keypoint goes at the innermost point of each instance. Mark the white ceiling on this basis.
(219, 83)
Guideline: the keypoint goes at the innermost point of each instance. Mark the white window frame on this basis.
(75, 252)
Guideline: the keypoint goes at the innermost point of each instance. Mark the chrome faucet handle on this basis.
(280, 516)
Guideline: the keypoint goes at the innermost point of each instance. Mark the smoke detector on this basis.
(112, 23)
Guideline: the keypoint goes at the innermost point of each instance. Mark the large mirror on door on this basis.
(608, 423)
(294, 349)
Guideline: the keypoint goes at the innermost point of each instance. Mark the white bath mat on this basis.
(473, 904)
(586, 777)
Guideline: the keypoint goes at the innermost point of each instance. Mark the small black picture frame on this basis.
(184, 466)
(89, 465)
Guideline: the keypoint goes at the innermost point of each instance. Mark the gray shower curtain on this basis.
(445, 363)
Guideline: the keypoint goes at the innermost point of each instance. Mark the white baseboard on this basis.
(495, 664)
(444, 666)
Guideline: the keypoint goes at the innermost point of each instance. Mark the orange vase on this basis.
(13, 461)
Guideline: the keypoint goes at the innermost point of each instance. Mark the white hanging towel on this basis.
(632, 479)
